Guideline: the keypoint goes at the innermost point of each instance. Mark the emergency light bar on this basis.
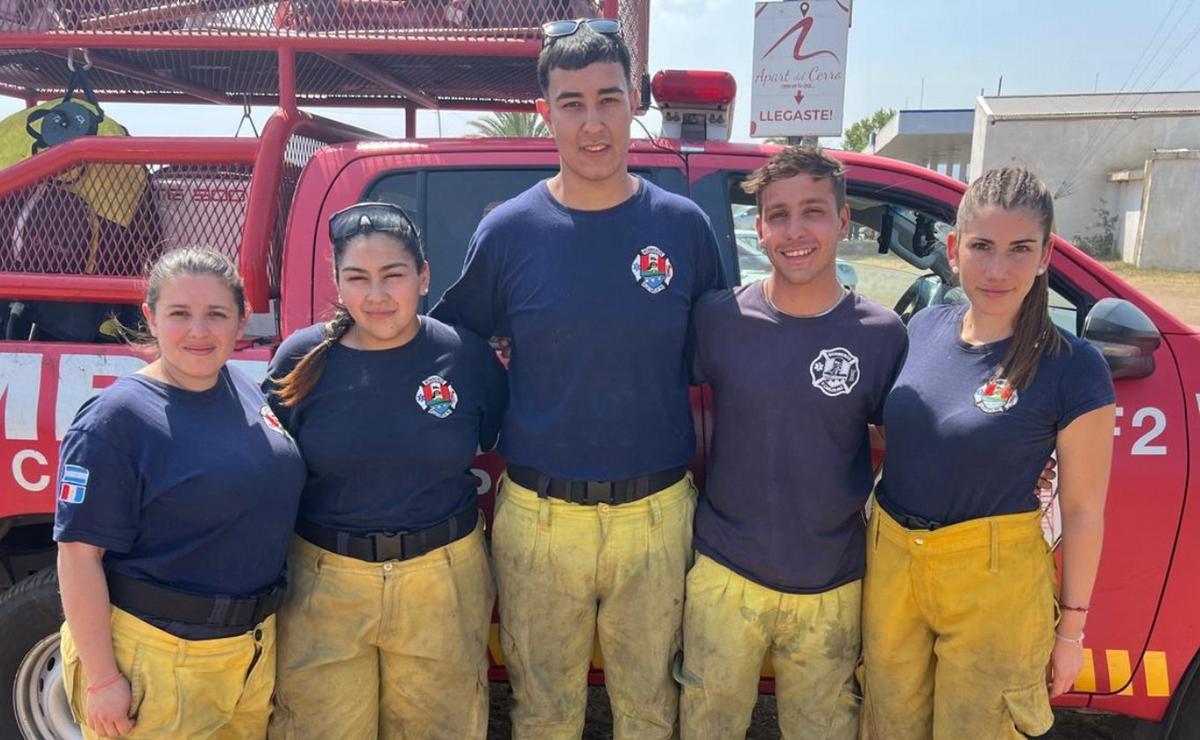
(696, 105)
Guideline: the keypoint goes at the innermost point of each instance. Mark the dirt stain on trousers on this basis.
(732, 623)
(958, 626)
(569, 574)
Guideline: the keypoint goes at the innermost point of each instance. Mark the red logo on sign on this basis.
(804, 26)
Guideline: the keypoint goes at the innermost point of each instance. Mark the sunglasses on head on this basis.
(364, 218)
(561, 29)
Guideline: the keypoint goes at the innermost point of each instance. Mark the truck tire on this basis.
(1182, 720)
(30, 664)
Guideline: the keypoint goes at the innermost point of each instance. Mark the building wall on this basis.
(1169, 237)
(1129, 211)
(1075, 155)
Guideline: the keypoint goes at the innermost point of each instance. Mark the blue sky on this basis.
(956, 46)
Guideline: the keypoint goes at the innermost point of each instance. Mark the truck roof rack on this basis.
(452, 54)
(145, 195)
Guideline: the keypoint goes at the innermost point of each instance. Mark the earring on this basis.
(954, 269)
(1041, 271)
(424, 291)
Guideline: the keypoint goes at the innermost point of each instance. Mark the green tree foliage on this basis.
(511, 125)
(857, 137)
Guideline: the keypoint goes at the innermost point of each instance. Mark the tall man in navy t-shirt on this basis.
(592, 274)
(799, 367)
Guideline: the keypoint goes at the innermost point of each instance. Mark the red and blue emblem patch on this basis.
(74, 484)
(273, 421)
(652, 269)
(436, 396)
(996, 396)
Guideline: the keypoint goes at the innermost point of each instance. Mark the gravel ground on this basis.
(1068, 725)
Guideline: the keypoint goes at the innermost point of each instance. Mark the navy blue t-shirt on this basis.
(597, 305)
(789, 467)
(389, 435)
(193, 490)
(961, 447)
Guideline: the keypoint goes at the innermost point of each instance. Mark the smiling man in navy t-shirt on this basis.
(592, 274)
(799, 367)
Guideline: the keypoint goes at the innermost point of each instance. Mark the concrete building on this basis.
(937, 139)
(1125, 169)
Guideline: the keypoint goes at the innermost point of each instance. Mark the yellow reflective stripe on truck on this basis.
(1157, 681)
(1086, 681)
(1154, 666)
(1118, 671)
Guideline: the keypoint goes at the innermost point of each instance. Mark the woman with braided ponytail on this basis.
(960, 637)
(384, 630)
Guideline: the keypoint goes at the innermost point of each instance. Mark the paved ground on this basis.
(1068, 726)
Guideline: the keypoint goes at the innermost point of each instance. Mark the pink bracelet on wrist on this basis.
(105, 683)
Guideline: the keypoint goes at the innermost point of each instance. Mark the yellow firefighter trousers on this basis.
(567, 572)
(958, 626)
(731, 622)
(214, 689)
(396, 649)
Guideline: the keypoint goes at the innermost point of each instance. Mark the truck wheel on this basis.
(1182, 720)
(30, 664)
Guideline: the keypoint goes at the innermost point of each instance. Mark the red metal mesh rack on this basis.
(420, 53)
(97, 209)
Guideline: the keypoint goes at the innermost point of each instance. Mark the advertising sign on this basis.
(799, 71)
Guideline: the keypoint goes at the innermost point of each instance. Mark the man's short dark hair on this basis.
(581, 49)
(798, 160)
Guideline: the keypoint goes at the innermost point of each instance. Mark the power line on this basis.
(1106, 131)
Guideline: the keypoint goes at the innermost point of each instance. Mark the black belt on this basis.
(908, 521)
(592, 492)
(143, 597)
(376, 547)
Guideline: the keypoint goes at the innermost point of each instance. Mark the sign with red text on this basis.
(799, 73)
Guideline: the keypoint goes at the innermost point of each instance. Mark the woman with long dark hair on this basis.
(385, 629)
(960, 637)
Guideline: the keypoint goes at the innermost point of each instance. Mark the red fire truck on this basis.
(79, 220)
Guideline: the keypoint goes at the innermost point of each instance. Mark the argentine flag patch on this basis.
(74, 484)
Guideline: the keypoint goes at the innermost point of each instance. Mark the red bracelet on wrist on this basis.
(106, 682)
(1069, 608)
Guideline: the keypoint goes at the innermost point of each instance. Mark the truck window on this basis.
(899, 279)
(448, 204)
(455, 202)
(884, 277)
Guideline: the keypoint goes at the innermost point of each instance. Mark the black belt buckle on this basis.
(388, 545)
(909, 521)
(597, 492)
(234, 612)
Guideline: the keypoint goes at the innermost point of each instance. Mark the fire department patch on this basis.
(995, 396)
(436, 396)
(835, 371)
(273, 421)
(652, 270)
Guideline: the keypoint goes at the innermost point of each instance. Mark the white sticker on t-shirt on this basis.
(835, 371)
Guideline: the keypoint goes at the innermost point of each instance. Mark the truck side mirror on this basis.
(1124, 335)
(887, 223)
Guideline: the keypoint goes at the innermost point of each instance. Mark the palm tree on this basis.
(511, 125)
